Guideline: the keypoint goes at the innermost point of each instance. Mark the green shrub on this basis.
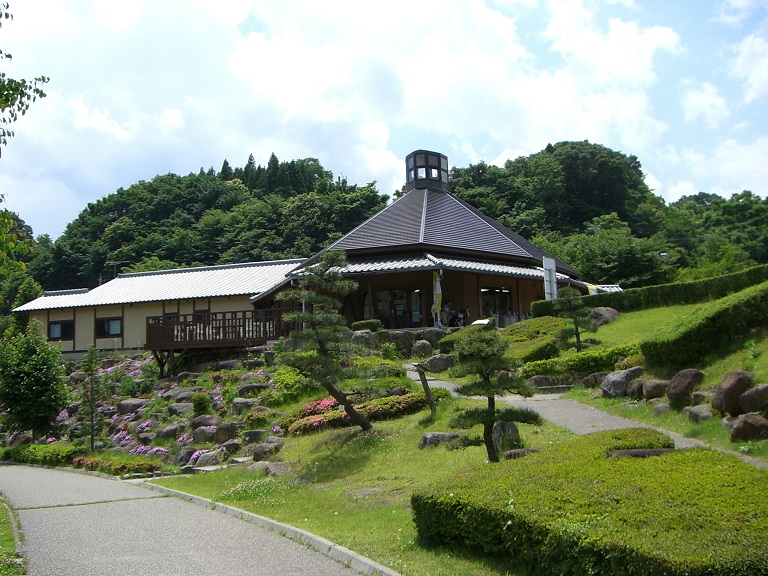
(117, 463)
(201, 403)
(667, 294)
(389, 351)
(374, 325)
(377, 367)
(54, 454)
(583, 363)
(288, 380)
(448, 342)
(708, 328)
(569, 510)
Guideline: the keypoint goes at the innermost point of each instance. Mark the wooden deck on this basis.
(241, 329)
(171, 336)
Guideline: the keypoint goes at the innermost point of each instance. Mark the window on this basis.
(62, 330)
(109, 327)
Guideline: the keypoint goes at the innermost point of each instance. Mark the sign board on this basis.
(550, 279)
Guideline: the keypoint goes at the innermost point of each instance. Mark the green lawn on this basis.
(11, 563)
(354, 489)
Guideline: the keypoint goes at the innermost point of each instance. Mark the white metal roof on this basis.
(249, 279)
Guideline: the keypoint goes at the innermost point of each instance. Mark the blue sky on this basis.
(142, 88)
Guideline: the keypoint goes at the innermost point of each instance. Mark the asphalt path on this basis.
(82, 525)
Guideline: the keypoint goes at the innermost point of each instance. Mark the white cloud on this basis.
(751, 66)
(171, 120)
(100, 120)
(731, 167)
(678, 190)
(735, 12)
(704, 102)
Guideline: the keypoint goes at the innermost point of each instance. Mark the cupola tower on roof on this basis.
(425, 170)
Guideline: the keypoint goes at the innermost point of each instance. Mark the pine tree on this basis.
(480, 353)
(323, 347)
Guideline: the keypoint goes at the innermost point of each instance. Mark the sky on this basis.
(140, 88)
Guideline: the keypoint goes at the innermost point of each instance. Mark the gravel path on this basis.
(580, 418)
(81, 525)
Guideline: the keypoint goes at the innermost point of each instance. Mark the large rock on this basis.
(78, 377)
(614, 385)
(169, 431)
(130, 405)
(433, 439)
(205, 420)
(433, 335)
(422, 349)
(364, 338)
(438, 363)
(593, 380)
(682, 385)
(602, 315)
(700, 413)
(242, 405)
(755, 400)
(541, 381)
(181, 393)
(654, 389)
(229, 364)
(253, 436)
(212, 458)
(635, 389)
(183, 455)
(255, 388)
(403, 340)
(263, 451)
(180, 408)
(204, 434)
(749, 427)
(727, 395)
(506, 436)
(227, 431)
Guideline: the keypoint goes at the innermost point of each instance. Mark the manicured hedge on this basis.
(571, 511)
(667, 294)
(707, 329)
(374, 325)
(534, 339)
(54, 454)
(583, 363)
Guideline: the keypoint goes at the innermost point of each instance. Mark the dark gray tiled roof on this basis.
(434, 219)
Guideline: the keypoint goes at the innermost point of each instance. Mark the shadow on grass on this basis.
(491, 565)
(341, 454)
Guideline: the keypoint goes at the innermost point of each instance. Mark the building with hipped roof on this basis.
(426, 253)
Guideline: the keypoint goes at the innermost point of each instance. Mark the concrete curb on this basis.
(356, 562)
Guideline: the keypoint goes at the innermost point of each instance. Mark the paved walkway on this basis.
(81, 525)
(580, 418)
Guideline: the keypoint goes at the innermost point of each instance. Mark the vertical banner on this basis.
(550, 279)
(437, 298)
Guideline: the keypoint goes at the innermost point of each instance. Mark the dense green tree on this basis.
(606, 252)
(226, 172)
(33, 388)
(323, 349)
(480, 354)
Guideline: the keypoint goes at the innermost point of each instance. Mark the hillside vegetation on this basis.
(586, 204)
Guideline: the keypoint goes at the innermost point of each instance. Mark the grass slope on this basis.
(354, 488)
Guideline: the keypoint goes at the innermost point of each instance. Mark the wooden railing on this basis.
(216, 330)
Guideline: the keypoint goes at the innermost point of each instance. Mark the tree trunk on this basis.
(427, 391)
(354, 416)
(490, 446)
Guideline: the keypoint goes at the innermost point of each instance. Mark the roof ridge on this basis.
(209, 268)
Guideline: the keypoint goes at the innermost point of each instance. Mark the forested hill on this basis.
(584, 203)
(283, 210)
